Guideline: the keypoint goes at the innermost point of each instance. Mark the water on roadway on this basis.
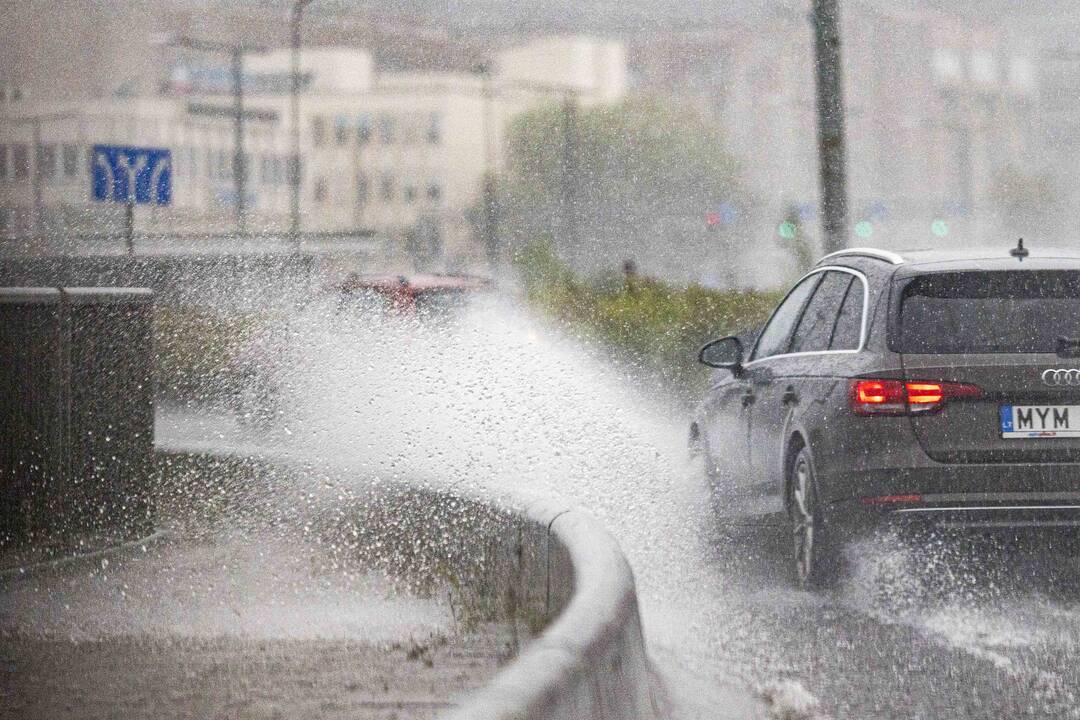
(499, 398)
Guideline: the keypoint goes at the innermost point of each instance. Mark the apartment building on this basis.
(936, 106)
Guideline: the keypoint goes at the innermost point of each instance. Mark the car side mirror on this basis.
(725, 353)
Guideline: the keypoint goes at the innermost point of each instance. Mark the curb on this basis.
(590, 661)
(23, 571)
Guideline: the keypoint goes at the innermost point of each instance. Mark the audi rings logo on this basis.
(1061, 377)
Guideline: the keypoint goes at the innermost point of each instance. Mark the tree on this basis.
(646, 174)
(1028, 203)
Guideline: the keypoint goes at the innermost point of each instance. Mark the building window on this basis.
(192, 163)
(46, 159)
(277, 169)
(363, 129)
(71, 161)
(318, 131)
(320, 191)
(434, 129)
(280, 166)
(434, 191)
(224, 167)
(386, 189)
(3, 162)
(386, 129)
(362, 189)
(20, 161)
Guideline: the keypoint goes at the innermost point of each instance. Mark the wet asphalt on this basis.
(927, 628)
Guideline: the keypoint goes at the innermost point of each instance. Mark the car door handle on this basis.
(790, 397)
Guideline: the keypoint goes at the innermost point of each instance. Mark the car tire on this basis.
(714, 478)
(816, 560)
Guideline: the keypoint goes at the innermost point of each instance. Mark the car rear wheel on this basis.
(816, 558)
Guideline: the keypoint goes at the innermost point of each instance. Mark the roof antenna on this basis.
(1020, 252)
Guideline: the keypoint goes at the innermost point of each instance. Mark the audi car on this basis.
(932, 387)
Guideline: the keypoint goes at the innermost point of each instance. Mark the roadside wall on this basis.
(76, 410)
(503, 555)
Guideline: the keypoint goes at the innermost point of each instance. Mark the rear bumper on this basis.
(989, 498)
(1014, 519)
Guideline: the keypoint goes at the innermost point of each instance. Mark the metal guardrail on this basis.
(173, 243)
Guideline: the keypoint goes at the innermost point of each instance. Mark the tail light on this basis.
(897, 397)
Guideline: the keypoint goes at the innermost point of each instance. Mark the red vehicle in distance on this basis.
(410, 294)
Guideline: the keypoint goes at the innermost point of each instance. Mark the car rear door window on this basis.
(816, 325)
(1022, 311)
(776, 336)
(847, 334)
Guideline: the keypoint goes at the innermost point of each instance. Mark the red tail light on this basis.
(895, 397)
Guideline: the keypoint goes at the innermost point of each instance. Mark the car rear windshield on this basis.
(991, 312)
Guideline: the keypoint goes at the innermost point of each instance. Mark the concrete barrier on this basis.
(590, 662)
(508, 555)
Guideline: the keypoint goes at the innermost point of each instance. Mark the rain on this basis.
(310, 308)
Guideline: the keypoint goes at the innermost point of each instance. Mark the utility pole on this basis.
(236, 52)
(832, 156)
(491, 223)
(570, 173)
(294, 122)
(37, 180)
(37, 211)
(239, 157)
(569, 216)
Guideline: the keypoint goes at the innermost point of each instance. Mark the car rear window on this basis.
(990, 312)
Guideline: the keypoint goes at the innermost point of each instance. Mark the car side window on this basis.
(775, 337)
(818, 320)
(848, 331)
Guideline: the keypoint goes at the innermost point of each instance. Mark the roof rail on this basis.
(887, 256)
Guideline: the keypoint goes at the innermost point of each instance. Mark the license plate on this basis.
(1040, 421)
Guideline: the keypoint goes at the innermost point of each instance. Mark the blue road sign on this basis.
(131, 174)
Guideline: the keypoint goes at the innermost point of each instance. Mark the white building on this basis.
(401, 155)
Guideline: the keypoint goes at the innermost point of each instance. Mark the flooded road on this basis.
(496, 398)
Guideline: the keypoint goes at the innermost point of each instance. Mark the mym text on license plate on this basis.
(1040, 421)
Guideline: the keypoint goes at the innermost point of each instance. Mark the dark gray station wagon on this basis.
(932, 386)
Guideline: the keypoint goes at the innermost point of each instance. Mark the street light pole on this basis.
(236, 54)
(294, 122)
(37, 206)
(239, 157)
(491, 225)
(832, 156)
(570, 174)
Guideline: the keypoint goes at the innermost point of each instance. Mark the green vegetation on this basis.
(659, 327)
(644, 174)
